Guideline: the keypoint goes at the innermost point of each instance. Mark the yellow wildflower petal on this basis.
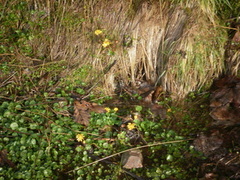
(106, 43)
(107, 109)
(80, 137)
(169, 110)
(97, 32)
(115, 109)
(131, 126)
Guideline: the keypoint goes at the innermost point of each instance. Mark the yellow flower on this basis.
(115, 109)
(97, 32)
(106, 43)
(80, 137)
(131, 126)
(107, 109)
(169, 110)
(135, 117)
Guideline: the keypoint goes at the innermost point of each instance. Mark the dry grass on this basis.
(236, 60)
(197, 56)
(177, 45)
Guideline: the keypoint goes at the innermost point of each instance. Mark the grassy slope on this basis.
(49, 50)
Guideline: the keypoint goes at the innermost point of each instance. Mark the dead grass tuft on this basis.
(175, 44)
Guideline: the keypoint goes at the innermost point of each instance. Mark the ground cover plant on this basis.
(41, 141)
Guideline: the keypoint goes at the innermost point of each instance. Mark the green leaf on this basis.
(33, 126)
(169, 157)
(80, 91)
(33, 141)
(138, 108)
(14, 126)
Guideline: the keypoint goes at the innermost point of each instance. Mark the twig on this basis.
(140, 147)
(6, 81)
(6, 54)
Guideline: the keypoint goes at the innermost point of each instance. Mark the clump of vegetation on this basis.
(42, 141)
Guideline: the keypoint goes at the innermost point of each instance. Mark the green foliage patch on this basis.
(43, 142)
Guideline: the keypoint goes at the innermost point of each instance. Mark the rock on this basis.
(132, 159)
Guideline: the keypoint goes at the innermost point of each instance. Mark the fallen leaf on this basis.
(236, 37)
(208, 144)
(83, 109)
(158, 110)
(82, 112)
(158, 94)
(4, 160)
(225, 101)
